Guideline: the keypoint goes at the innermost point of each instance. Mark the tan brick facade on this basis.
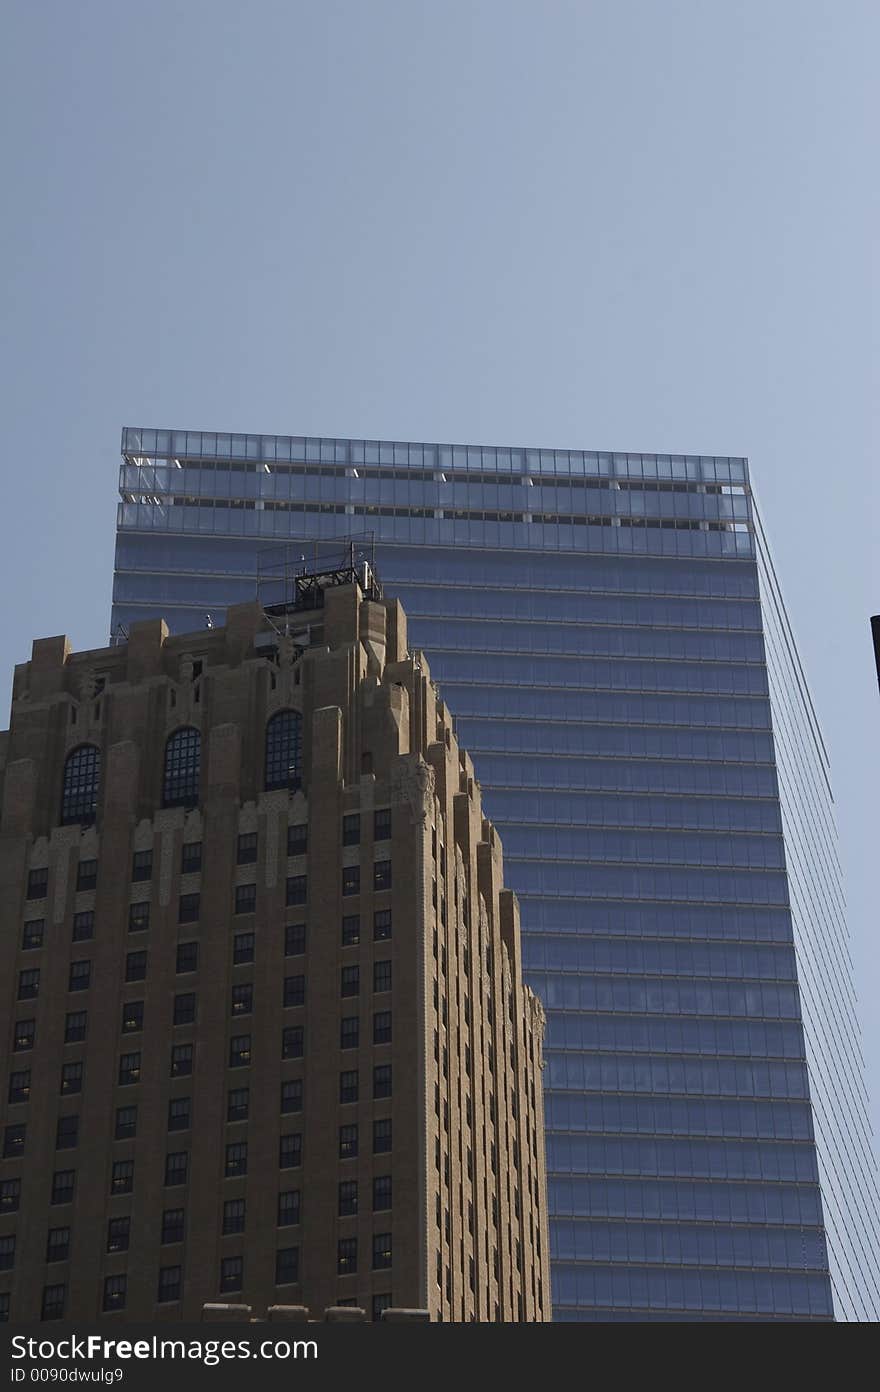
(278, 1048)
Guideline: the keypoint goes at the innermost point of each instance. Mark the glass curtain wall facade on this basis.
(608, 632)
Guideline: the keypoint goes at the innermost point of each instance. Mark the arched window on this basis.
(183, 761)
(79, 791)
(284, 750)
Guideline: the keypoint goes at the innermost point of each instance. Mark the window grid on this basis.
(284, 750)
(183, 756)
(79, 793)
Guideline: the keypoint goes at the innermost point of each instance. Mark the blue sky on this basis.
(634, 224)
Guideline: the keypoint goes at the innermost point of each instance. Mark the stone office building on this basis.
(263, 1021)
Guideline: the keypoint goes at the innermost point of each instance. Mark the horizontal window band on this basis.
(453, 583)
(737, 556)
(647, 1139)
(721, 1182)
(775, 1098)
(428, 473)
(768, 1271)
(500, 823)
(635, 1013)
(622, 624)
(741, 1224)
(480, 650)
(442, 513)
(619, 1051)
(678, 976)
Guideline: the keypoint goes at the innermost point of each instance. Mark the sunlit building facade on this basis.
(609, 633)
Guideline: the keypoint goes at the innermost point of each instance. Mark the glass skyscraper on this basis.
(609, 632)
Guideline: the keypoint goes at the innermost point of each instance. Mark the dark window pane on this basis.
(242, 1001)
(169, 1284)
(142, 865)
(234, 1214)
(380, 1303)
(381, 1193)
(348, 1198)
(75, 1026)
(297, 889)
(176, 1166)
(284, 750)
(32, 934)
(122, 1177)
(129, 1069)
(294, 990)
(381, 1251)
(83, 926)
(191, 858)
(243, 948)
(286, 1266)
(62, 1186)
(86, 874)
(29, 984)
(80, 976)
(71, 1079)
(246, 853)
(38, 883)
(187, 957)
(132, 1016)
(181, 1060)
(114, 1292)
(126, 1122)
(185, 1008)
(178, 1114)
(290, 1151)
(288, 1208)
(292, 1095)
(297, 839)
(294, 939)
(10, 1194)
(173, 1225)
(231, 1274)
(188, 908)
(135, 966)
(183, 755)
(66, 1132)
(139, 917)
(53, 1302)
(118, 1232)
(236, 1159)
(20, 1086)
(346, 1256)
(237, 1104)
(79, 790)
(245, 898)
